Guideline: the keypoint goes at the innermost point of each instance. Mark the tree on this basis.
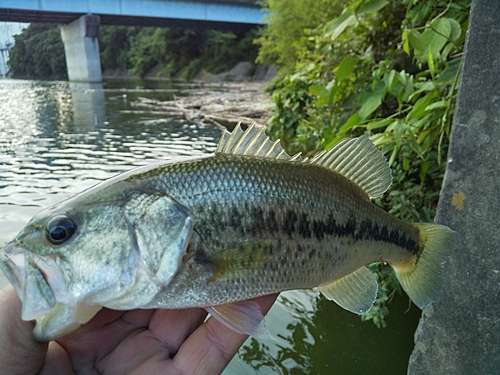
(389, 69)
(38, 52)
(288, 22)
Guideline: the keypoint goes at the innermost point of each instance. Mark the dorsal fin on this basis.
(252, 142)
(361, 162)
(356, 159)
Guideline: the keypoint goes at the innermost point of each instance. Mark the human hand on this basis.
(117, 342)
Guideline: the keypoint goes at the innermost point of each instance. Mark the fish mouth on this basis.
(28, 274)
(12, 263)
(43, 291)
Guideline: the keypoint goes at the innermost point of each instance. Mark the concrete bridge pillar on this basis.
(460, 333)
(81, 47)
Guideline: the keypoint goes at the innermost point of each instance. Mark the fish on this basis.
(216, 230)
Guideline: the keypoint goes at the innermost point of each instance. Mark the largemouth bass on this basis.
(216, 230)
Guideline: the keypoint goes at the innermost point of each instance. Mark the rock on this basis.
(240, 72)
(203, 75)
(264, 72)
(460, 333)
(270, 73)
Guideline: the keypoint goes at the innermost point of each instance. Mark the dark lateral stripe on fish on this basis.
(266, 220)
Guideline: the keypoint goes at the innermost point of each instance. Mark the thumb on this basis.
(19, 352)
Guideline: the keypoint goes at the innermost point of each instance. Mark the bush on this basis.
(389, 69)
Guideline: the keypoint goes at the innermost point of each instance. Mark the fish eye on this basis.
(60, 229)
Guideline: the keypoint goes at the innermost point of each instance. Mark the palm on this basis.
(148, 342)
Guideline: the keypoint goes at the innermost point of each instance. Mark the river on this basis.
(57, 139)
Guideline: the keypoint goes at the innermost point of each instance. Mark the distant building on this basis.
(7, 32)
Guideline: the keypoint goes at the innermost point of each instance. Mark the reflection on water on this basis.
(87, 104)
(57, 139)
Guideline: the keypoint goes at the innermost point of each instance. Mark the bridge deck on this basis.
(191, 14)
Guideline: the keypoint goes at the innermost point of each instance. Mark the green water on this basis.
(57, 139)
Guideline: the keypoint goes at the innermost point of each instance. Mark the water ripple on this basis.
(57, 139)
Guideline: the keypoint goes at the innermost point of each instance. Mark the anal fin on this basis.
(355, 292)
(242, 317)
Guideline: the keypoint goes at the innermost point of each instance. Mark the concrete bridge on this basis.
(81, 21)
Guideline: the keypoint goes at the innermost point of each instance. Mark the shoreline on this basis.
(222, 104)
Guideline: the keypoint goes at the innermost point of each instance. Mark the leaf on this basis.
(342, 22)
(423, 135)
(449, 73)
(430, 61)
(423, 171)
(406, 42)
(389, 79)
(436, 105)
(415, 40)
(436, 36)
(393, 156)
(400, 128)
(322, 95)
(348, 125)
(420, 107)
(351, 122)
(371, 100)
(406, 164)
(379, 124)
(456, 29)
(372, 6)
(345, 68)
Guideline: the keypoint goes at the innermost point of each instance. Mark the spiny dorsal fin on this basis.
(252, 142)
(361, 162)
(357, 159)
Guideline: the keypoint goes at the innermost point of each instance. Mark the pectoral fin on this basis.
(242, 259)
(355, 292)
(242, 317)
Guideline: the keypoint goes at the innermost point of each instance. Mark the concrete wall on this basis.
(81, 48)
(460, 334)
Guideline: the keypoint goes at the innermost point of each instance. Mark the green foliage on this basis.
(183, 52)
(114, 44)
(388, 68)
(288, 22)
(38, 52)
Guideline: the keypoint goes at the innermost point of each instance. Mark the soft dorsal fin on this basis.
(252, 142)
(361, 162)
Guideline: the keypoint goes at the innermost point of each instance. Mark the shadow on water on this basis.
(57, 139)
(311, 335)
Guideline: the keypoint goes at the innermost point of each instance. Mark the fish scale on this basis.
(213, 231)
(313, 218)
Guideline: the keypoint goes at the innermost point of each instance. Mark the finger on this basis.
(56, 362)
(173, 327)
(212, 346)
(19, 352)
(102, 335)
(158, 343)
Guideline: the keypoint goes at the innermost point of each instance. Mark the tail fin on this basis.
(421, 277)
